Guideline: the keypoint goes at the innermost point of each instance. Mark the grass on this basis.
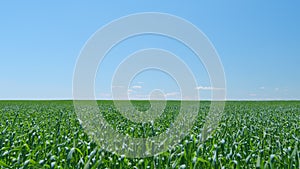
(47, 134)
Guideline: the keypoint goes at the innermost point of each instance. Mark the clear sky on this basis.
(257, 41)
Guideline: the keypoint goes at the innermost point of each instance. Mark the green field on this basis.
(47, 134)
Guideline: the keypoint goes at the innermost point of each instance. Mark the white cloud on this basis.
(172, 94)
(262, 88)
(208, 88)
(140, 82)
(136, 87)
(138, 97)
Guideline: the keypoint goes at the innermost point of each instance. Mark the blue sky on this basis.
(257, 41)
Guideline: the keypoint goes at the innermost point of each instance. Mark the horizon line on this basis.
(137, 99)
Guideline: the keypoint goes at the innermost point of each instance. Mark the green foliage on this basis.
(47, 134)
